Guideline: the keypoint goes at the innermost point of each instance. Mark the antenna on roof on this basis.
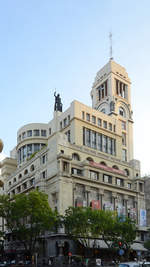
(110, 38)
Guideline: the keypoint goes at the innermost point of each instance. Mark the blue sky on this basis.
(48, 44)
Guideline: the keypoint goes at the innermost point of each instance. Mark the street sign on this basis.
(121, 252)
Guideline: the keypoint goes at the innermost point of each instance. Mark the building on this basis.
(84, 155)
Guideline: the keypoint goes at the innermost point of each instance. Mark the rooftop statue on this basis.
(58, 104)
(1, 145)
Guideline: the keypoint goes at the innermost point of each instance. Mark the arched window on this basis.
(90, 159)
(122, 112)
(20, 176)
(14, 180)
(32, 168)
(115, 167)
(103, 163)
(25, 172)
(75, 156)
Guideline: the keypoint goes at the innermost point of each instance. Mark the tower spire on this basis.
(111, 51)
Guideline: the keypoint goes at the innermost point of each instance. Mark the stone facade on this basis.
(84, 155)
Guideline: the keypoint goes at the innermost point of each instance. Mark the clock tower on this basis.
(111, 95)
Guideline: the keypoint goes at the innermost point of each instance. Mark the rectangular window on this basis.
(77, 171)
(110, 126)
(123, 124)
(128, 185)
(36, 147)
(24, 186)
(24, 152)
(124, 155)
(117, 86)
(29, 150)
(105, 124)
(123, 139)
(121, 89)
(50, 131)
(68, 135)
(23, 135)
(119, 182)
(93, 175)
(44, 159)
(93, 139)
(105, 88)
(29, 133)
(113, 147)
(104, 144)
(109, 145)
(32, 181)
(107, 178)
(99, 122)
(65, 122)
(65, 166)
(68, 119)
(84, 131)
(60, 125)
(99, 142)
(140, 187)
(36, 132)
(44, 174)
(18, 189)
(87, 116)
(43, 132)
(94, 119)
(88, 137)
(83, 115)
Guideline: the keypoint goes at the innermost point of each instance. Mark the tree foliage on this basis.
(86, 223)
(27, 216)
(147, 244)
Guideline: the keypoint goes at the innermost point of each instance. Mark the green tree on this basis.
(85, 223)
(147, 244)
(126, 231)
(103, 225)
(27, 216)
(77, 224)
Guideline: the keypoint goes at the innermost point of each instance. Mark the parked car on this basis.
(129, 264)
(144, 264)
(3, 263)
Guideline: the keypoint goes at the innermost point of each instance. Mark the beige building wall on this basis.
(74, 172)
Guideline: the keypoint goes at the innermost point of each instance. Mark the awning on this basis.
(99, 243)
(138, 247)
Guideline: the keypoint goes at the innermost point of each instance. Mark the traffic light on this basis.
(120, 244)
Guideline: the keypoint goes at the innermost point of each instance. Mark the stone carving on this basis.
(131, 114)
(112, 106)
(58, 104)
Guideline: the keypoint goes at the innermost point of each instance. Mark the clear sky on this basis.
(48, 44)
